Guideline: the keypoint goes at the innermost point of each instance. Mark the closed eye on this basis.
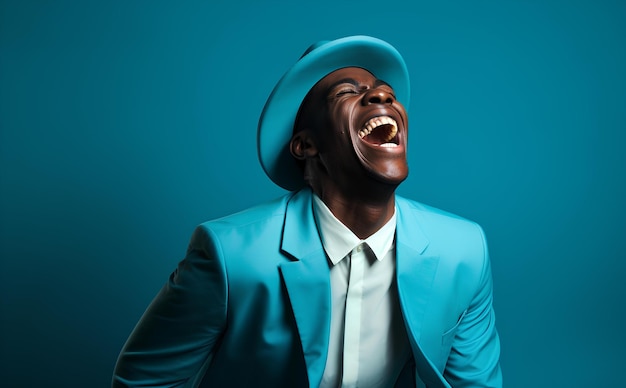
(346, 91)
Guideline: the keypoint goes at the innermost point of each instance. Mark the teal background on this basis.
(125, 124)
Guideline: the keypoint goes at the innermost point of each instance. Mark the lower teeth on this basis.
(389, 145)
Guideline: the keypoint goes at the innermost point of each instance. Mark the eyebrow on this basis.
(380, 82)
(352, 81)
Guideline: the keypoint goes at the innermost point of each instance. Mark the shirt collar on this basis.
(338, 240)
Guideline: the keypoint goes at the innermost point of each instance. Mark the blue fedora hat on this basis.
(279, 114)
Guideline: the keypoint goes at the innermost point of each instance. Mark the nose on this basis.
(377, 96)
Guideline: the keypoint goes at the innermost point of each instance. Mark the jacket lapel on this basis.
(307, 281)
(415, 272)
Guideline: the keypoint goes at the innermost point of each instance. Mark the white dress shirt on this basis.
(368, 344)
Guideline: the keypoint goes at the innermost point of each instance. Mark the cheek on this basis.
(342, 113)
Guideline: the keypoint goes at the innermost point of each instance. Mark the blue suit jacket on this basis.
(250, 304)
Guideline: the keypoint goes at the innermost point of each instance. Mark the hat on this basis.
(322, 58)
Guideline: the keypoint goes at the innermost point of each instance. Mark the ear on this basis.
(302, 145)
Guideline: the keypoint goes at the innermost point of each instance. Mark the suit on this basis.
(250, 303)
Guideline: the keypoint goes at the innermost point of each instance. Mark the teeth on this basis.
(389, 145)
(377, 122)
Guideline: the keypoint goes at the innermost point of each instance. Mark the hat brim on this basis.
(278, 117)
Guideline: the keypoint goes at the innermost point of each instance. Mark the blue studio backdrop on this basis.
(125, 124)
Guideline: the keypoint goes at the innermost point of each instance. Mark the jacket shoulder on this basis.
(274, 209)
(456, 240)
(431, 217)
(243, 235)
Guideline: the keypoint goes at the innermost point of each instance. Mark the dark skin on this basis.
(351, 136)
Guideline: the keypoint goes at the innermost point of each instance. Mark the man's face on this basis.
(360, 127)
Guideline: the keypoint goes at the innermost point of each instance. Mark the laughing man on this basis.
(341, 282)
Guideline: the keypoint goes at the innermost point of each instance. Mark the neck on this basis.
(364, 212)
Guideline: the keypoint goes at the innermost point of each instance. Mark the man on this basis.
(340, 282)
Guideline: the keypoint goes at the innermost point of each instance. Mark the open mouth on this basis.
(381, 131)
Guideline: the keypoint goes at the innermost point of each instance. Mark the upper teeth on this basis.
(377, 122)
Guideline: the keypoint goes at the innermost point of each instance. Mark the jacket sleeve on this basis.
(173, 343)
(474, 360)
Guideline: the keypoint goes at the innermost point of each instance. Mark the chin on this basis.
(392, 177)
